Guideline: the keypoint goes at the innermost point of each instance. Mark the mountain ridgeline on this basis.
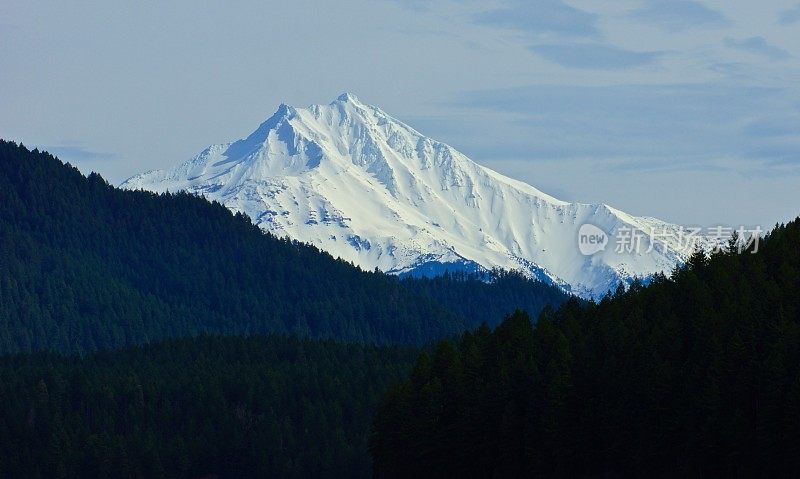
(227, 356)
(467, 294)
(696, 375)
(86, 266)
(352, 180)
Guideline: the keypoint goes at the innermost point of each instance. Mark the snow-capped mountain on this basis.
(370, 189)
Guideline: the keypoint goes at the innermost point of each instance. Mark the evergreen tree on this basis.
(86, 266)
(692, 375)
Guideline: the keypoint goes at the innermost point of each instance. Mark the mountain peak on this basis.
(347, 97)
(366, 187)
(283, 110)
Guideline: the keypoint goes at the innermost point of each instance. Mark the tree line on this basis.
(696, 374)
(86, 266)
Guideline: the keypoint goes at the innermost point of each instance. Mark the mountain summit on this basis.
(370, 189)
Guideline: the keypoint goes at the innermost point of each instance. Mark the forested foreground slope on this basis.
(202, 407)
(694, 375)
(86, 266)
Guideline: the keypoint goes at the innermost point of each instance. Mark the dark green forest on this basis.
(146, 335)
(468, 294)
(201, 407)
(86, 266)
(695, 375)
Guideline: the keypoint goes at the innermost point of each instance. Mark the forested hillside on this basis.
(486, 297)
(86, 266)
(203, 407)
(694, 375)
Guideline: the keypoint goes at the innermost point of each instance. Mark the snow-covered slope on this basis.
(365, 187)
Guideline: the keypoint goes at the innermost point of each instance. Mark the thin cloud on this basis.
(594, 56)
(680, 14)
(773, 126)
(73, 153)
(648, 124)
(758, 46)
(418, 5)
(541, 17)
(789, 17)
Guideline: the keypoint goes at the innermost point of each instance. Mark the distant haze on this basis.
(685, 110)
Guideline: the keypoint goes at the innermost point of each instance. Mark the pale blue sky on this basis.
(680, 109)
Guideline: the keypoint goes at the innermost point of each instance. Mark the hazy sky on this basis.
(680, 109)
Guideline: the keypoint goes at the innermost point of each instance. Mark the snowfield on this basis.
(370, 189)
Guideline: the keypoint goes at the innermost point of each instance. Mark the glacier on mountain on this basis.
(370, 189)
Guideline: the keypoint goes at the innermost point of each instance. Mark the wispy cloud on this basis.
(773, 126)
(668, 165)
(537, 17)
(75, 153)
(696, 124)
(554, 27)
(789, 17)
(419, 5)
(758, 46)
(676, 15)
(594, 56)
